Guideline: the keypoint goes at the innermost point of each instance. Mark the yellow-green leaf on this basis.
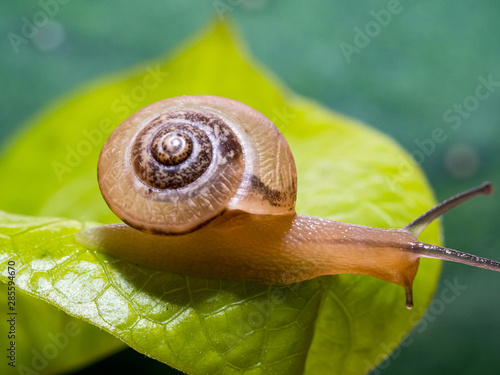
(44, 340)
(346, 171)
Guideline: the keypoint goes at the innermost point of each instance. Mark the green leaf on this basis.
(46, 340)
(346, 171)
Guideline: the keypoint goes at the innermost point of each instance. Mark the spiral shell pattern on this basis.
(176, 164)
(173, 150)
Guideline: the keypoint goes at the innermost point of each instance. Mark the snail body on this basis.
(268, 249)
(207, 187)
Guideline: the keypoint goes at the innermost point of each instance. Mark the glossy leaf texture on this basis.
(46, 340)
(346, 171)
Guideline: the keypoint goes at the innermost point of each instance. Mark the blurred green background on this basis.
(407, 76)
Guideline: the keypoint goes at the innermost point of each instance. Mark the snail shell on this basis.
(178, 163)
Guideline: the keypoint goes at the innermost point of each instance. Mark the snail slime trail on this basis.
(206, 187)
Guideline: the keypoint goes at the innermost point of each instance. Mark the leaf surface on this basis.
(346, 171)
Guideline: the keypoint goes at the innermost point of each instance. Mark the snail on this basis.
(206, 187)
